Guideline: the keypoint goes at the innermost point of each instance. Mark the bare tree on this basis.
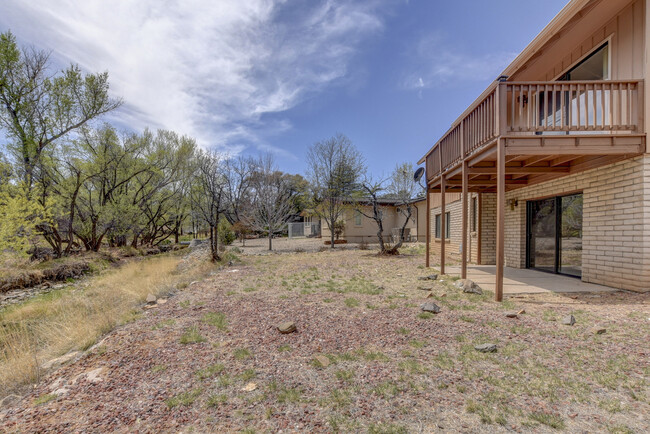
(335, 166)
(237, 173)
(207, 195)
(404, 188)
(271, 203)
(370, 190)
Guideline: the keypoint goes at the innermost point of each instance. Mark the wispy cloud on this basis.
(210, 69)
(435, 62)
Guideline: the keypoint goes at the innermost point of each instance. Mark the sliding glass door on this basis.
(554, 235)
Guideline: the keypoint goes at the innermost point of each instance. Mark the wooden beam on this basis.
(465, 244)
(428, 231)
(518, 170)
(443, 185)
(501, 207)
(562, 159)
(475, 182)
(533, 160)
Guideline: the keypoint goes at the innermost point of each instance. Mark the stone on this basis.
(511, 315)
(287, 327)
(430, 307)
(599, 330)
(322, 360)
(94, 376)
(249, 387)
(430, 295)
(425, 288)
(54, 363)
(468, 286)
(151, 298)
(61, 391)
(429, 277)
(486, 348)
(569, 320)
(521, 312)
(161, 301)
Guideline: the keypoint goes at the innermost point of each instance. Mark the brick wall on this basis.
(616, 222)
(453, 244)
(488, 231)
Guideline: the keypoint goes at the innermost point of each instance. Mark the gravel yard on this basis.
(364, 356)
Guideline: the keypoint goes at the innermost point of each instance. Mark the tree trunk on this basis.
(270, 241)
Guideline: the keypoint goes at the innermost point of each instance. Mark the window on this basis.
(447, 225)
(357, 218)
(474, 212)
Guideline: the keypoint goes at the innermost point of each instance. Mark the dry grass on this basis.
(51, 325)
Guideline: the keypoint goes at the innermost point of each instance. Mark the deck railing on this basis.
(533, 108)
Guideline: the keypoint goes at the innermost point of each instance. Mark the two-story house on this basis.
(550, 160)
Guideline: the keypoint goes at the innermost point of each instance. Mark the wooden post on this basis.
(501, 208)
(443, 185)
(428, 231)
(465, 249)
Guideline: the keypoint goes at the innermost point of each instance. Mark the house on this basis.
(547, 169)
(358, 227)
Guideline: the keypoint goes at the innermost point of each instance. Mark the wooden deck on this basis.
(522, 133)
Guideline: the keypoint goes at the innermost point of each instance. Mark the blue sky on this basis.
(264, 75)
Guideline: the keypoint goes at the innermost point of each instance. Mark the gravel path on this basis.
(212, 359)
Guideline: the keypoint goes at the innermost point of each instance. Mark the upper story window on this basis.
(357, 218)
(593, 67)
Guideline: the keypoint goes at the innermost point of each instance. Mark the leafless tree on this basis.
(369, 197)
(404, 188)
(238, 173)
(335, 166)
(271, 203)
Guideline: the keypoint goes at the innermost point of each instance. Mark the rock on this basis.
(195, 243)
(249, 387)
(322, 360)
(486, 348)
(161, 301)
(430, 295)
(569, 320)
(151, 298)
(429, 277)
(425, 288)
(8, 400)
(468, 286)
(521, 312)
(61, 391)
(444, 294)
(287, 327)
(430, 307)
(93, 376)
(60, 360)
(511, 315)
(599, 330)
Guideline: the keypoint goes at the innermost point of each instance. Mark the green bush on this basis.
(226, 234)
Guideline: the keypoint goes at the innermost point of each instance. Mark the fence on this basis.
(303, 229)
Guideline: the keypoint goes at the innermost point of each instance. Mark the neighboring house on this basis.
(549, 164)
(359, 228)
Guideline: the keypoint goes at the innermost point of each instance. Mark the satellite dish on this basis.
(418, 174)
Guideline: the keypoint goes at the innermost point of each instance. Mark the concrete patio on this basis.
(525, 281)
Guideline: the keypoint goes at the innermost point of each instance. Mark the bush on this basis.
(226, 234)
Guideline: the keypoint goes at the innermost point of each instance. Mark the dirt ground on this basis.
(364, 357)
(260, 246)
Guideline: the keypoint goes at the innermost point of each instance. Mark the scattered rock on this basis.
(444, 294)
(93, 376)
(8, 400)
(599, 330)
(430, 295)
(486, 348)
(161, 301)
(521, 312)
(61, 391)
(430, 307)
(468, 286)
(430, 277)
(54, 363)
(512, 315)
(287, 327)
(151, 298)
(569, 320)
(425, 288)
(249, 387)
(322, 360)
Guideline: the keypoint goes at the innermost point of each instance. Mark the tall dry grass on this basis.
(73, 319)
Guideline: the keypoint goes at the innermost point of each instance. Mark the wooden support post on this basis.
(501, 208)
(428, 231)
(465, 244)
(443, 185)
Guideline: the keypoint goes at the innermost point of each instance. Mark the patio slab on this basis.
(525, 281)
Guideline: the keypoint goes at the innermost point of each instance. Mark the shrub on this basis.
(226, 234)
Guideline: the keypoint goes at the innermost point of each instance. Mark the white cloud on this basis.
(210, 69)
(435, 62)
